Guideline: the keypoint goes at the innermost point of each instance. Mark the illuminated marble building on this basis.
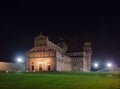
(47, 56)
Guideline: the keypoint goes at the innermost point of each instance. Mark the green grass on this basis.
(59, 80)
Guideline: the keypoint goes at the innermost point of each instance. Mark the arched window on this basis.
(32, 62)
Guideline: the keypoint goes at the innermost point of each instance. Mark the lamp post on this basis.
(19, 65)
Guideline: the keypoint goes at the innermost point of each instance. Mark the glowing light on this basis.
(7, 71)
(96, 65)
(48, 64)
(109, 64)
(40, 62)
(19, 60)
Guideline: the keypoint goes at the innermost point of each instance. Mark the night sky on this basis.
(75, 22)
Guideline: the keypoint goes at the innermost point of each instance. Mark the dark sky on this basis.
(75, 22)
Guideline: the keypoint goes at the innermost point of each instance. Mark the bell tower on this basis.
(87, 56)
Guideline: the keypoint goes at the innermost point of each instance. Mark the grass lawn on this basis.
(55, 80)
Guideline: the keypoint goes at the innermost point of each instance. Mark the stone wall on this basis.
(63, 62)
(7, 66)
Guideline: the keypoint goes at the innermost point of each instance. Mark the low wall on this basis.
(7, 66)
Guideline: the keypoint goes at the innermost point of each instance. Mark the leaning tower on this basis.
(87, 56)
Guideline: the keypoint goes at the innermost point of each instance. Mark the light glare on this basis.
(96, 65)
(19, 60)
(109, 64)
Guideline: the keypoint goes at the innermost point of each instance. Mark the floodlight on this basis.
(109, 64)
(19, 60)
(96, 65)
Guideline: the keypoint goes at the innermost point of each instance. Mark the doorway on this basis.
(32, 67)
(40, 66)
(48, 67)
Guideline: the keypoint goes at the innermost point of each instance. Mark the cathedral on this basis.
(47, 56)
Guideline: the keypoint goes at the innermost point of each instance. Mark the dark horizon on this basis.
(21, 22)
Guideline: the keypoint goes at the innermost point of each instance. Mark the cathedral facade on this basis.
(47, 56)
